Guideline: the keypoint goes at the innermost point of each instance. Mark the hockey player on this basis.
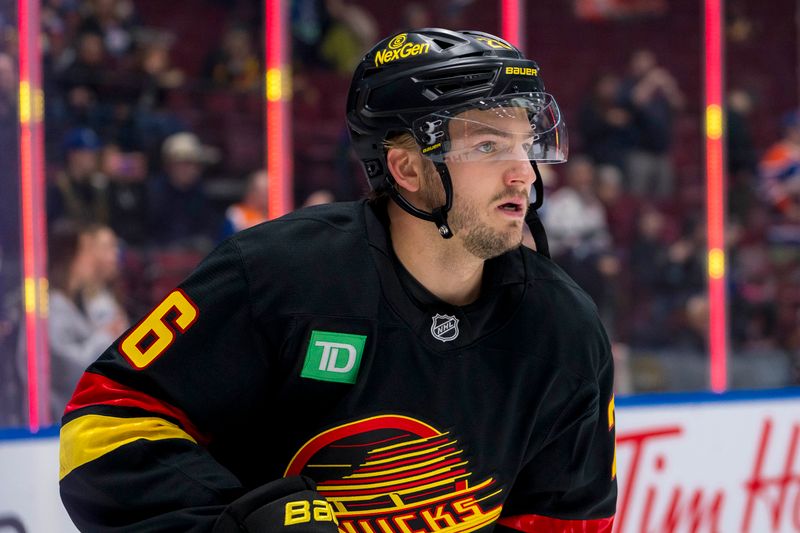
(399, 364)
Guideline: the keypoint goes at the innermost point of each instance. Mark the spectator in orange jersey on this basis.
(253, 207)
(780, 170)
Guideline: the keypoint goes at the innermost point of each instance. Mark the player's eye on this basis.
(486, 147)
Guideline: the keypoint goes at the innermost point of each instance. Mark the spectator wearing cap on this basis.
(780, 171)
(180, 214)
(81, 191)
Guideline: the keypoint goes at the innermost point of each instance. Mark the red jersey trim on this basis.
(94, 389)
(531, 523)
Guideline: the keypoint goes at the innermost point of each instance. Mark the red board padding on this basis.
(531, 523)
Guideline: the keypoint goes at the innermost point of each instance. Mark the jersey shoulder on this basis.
(551, 278)
(566, 315)
(311, 260)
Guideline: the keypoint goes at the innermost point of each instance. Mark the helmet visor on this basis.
(524, 126)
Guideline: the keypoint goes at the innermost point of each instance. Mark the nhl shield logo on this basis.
(444, 327)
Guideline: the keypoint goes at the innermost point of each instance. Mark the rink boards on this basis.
(685, 463)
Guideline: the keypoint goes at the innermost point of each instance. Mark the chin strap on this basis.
(532, 216)
(439, 215)
(537, 230)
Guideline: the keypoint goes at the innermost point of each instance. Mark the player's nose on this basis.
(519, 172)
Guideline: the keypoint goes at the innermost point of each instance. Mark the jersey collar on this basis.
(502, 290)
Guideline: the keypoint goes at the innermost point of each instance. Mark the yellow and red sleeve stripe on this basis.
(91, 436)
(94, 389)
(531, 523)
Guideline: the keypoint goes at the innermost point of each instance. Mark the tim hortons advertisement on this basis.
(730, 466)
(715, 467)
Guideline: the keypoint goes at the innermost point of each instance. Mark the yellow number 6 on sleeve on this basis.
(156, 328)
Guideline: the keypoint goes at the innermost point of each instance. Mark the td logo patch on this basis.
(333, 356)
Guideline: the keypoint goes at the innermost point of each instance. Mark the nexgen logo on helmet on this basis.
(398, 48)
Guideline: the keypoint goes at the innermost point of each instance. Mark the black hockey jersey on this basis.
(301, 346)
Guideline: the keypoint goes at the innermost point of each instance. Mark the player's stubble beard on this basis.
(480, 239)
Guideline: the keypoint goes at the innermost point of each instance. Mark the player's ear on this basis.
(405, 167)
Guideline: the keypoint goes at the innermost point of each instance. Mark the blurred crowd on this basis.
(634, 235)
(154, 152)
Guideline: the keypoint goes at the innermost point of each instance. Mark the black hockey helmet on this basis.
(419, 81)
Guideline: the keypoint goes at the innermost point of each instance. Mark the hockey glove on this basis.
(289, 504)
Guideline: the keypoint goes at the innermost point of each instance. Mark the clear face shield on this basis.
(518, 127)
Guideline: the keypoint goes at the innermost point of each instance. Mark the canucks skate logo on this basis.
(444, 327)
(394, 474)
